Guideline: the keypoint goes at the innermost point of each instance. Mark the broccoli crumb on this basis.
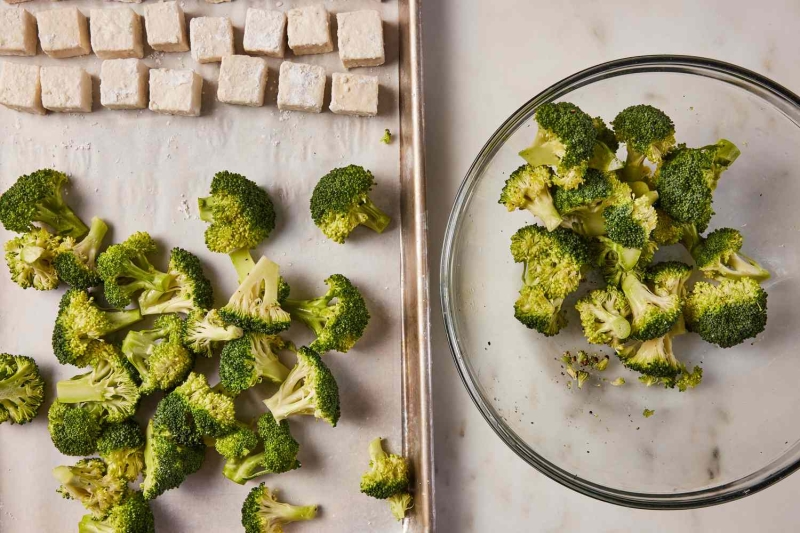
(620, 381)
(647, 413)
(387, 137)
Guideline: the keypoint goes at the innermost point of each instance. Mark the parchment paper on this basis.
(143, 171)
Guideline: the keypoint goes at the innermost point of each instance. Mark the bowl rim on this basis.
(780, 97)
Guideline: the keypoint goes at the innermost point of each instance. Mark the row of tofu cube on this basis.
(116, 33)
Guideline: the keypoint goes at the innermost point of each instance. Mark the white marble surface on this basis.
(483, 59)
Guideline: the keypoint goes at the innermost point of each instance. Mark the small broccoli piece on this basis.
(582, 207)
(718, 257)
(605, 134)
(338, 325)
(121, 446)
(189, 289)
(88, 482)
(309, 389)
(614, 260)
(30, 259)
(647, 413)
(74, 429)
(729, 313)
(240, 212)
(254, 306)
(630, 223)
(400, 504)
(647, 133)
(604, 315)
(667, 230)
(565, 139)
(340, 203)
(246, 361)
(125, 270)
(388, 474)
(668, 277)
(238, 444)
(158, 354)
(167, 463)
(263, 513)
(529, 188)
(536, 311)
(133, 515)
(203, 330)
(604, 156)
(37, 197)
(213, 413)
(21, 388)
(653, 315)
(387, 137)
(75, 264)
(653, 358)
(278, 455)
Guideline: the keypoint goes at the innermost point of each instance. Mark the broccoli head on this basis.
(668, 277)
(174, 416)
(340, 203)
(74, 429)
(604, 316)
(254, 306)
(238, 444)
(30, 258)
(205, 329)
(605, 134)
(213, 413)
(279, 453)
(188, 290)
(729, 313)
(167, 463)
(88, 482)
(648, 133)
(21, 388)
(246, 361)
(132, 515)
(582, 207)
(655, 360)
(263, 513)
(121, 446)
(630, 223)
(529, 188)
(399, 504)
(388, 474)
(126, 270)
(653, 315)
(536, 311)
(75, 263)
(718, 257)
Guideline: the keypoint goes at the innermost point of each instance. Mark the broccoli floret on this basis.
(604, 156)
(121, 446)
(240, 212)
(529, 188)
(565, 139)
(263, 513)
(653, 315)
(238, 444)
(536, 311)
(133, 515)
(174, 416)
(605, 134)
(30, 259)
(203, 330)
(188, 290)
(75, 264)
(166, 462)
(254, 306)
(74, 429)
(718, 257)
(125, 270)
(158, 354)
(37, 197)
(400, 504)
(647, 133)
(309, 389)
(614, 260)
(278, 455)
(21, 388)
(631, 223)
(668, 277)
(88, 482)
(338, 325)
(729, 313)
(667, 230)
(657, 363)
(340, 203)
(582, 207)
(246, 361)
(387, 137)
(388, 474)
(213, 413)
(604, 315)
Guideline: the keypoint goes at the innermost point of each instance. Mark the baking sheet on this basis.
(143, 171)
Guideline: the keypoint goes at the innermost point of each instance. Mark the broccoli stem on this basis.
(309, 312)
(691, 238)
(61, 218)
(146, 279)
(90, 244)
(376, 452)
(242, 262)
(120, 319)
(639, 296)
(741, 266)
(80, 390)
(634, 169)
(542, 207)
(89, 525)
(616, 324)
(270, 367)
(376, 219)
(246, 469)
(298, 400)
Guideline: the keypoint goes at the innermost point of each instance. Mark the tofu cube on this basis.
(211, 38)
(176, 92)
(265, 32)
(301, 87)
(63, 32)
(361, 39)
(123, 84)
(17, 33)
(354, 94)
(66, 89)
(116, 33)
(166, 27)
(310, 30)
(242, 80)
(21, 87)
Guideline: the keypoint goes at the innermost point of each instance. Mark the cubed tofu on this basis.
(66, 89)
(301, 87)
(21, 87)
(166, 27)
(17, 33)
(309, 30)
(242, 80)
(123, 84)
(116, 33)
(211, 38)
(63, 32)
(176, 92)
(360, 39)
(354, 94)
(265, 32)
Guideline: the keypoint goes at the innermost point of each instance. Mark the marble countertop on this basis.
(469, 45)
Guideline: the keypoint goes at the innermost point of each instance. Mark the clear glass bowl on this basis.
(739, 431)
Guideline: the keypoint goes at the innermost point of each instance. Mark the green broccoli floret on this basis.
(529, 188)
(582, 207)
(188, 290)
(657, 363)
(158, 354)
(279, 453)
(630, 223)
(667, 230)
(388, 474)
(729, 313)
(263, 513)
(668, 277)
(75, 264)
(126, 270)
(133, 515)
(167, 463)
(238, 444)
(203, 330)
(604, 156)
(240, 212)
(338, 325)
(387, 137)
(246, 361)
(340, 203)
(309, 389)
(604, 316)
(174, 416)
(647, 133)
(213, 413)
(88, 482)
(614, 260)
(37, 197)
(400, 504)
(536, 311)
(121, 446)
(30, 259)
(605, 134)
(21, 388)
(718, 257)
(565, 139)
(254, 306)
(653, 315)
(74, 429)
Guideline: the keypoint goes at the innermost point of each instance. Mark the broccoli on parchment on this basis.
(21, 389)
(277, 455)
(189, 289)
(167, 463)
(388, 479)
(89, 482)
(74, 428)
(246, 361)
(125, 270)
(30, 258)
(132, 515)
(75, 263)
(121, 446)
(203, 330)
(263, 513)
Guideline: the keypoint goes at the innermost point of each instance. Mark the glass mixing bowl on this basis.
(739, 431)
